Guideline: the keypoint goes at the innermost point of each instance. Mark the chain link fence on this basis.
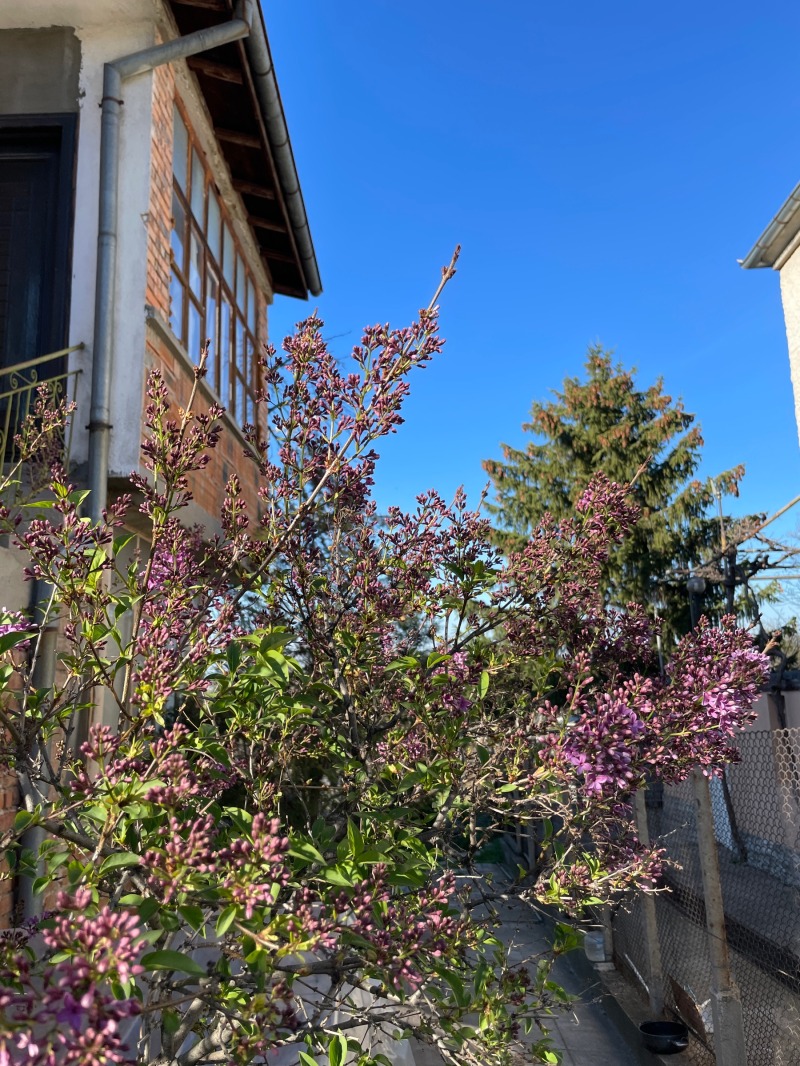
(756, 809)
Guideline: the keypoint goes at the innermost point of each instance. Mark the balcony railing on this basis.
(19, 385)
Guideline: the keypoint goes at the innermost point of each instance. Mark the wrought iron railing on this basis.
(19, 385)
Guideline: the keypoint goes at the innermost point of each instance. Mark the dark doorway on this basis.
(36, 168)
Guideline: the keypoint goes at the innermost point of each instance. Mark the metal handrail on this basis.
(18, 401)
(17, 367)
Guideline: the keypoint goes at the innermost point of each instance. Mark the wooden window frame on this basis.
(234, 375)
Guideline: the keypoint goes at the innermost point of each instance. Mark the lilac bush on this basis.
(268, 758)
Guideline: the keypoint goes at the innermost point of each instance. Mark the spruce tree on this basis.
(605, 422)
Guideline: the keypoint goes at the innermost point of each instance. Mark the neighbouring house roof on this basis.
(240, 90)
(778, 237)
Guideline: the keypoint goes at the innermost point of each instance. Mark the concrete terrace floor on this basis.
(585, 1035)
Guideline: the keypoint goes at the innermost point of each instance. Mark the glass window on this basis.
(212, 293)
(176, 304)
(198, 188)
(195, 336)
(196, 264)
(224, 351)
(178, 239)
(180, 148)
(229, 260)
(212, 334)
(214, 223)
(251, 308)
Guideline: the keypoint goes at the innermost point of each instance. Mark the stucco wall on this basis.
(790, 295)
(41, 71)
(96, 33)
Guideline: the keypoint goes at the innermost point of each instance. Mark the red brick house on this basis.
(148, 199)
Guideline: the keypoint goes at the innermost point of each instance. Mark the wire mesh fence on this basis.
(756, 809)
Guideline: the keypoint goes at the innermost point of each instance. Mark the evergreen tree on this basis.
(605, 422)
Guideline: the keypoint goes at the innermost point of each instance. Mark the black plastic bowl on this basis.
(665, 1038)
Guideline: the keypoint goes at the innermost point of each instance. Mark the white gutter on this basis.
(114, 74)
(779, 232)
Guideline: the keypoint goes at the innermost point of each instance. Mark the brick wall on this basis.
(208, 485)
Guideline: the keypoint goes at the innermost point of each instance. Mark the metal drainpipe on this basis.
(114, 74)
(275, 122)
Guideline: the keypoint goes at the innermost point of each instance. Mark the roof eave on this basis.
(778, 235)
(241, 93)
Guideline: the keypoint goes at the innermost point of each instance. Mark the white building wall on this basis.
(790, 295)
(107, 30)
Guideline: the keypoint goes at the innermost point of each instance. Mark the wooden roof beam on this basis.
(263, 223)
(278, 257)
(221, 71)
(250, 188)
(247, 140)
(208, 5)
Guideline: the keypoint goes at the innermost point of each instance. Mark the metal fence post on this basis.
(726, 1008)
(655, 976)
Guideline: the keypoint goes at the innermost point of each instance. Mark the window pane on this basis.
(213, 230)
(229, 259)
(240, 416)
(195, 339)
(176, 306)
(241, 355)
(196, 265)
(224, 352)
(241, 282)
(180, 147)
(251, 381)
(178, 239)
(251, 308)
(212, 303)
(198, 189)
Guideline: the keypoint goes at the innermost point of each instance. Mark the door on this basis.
(36, 160)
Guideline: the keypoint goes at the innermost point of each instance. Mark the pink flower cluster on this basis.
(68, 1017)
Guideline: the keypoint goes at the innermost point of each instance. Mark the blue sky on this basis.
(603, 166)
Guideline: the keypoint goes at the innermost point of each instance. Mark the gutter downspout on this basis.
(114, 74)
(266, 85)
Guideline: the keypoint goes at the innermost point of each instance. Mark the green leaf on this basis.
(483, 685)
(193, 915)
(456, 984)
(122, 858)
(151, 936)
(303, 849)
(147, 909)
(172, 960)
(337, 1050)
(306, 1060)
(334, 876)
(22, 821)
(10, 640)
(225, 920)
(355, 839)
(434, 659)
(234, 656)
(171, 1021)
